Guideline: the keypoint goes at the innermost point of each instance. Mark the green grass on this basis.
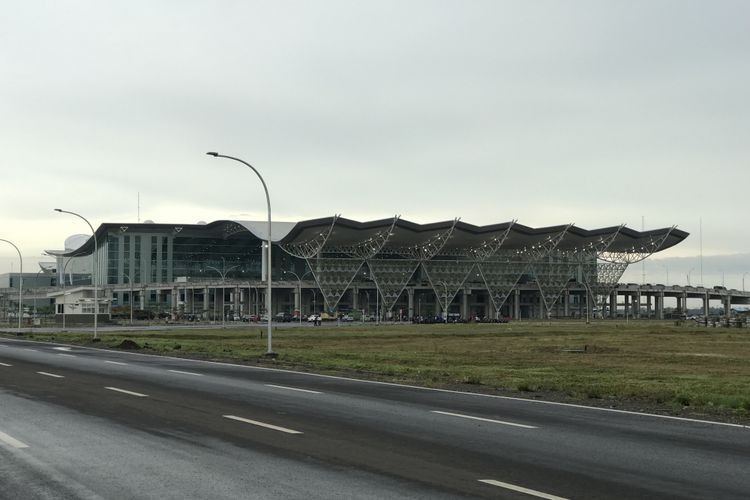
(640, 364)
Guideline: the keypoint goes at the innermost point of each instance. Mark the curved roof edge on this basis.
(286, 232)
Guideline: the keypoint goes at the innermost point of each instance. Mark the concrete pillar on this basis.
(660, 306)
(142, 298)
(566, 303)
(297, 302)
(189, 298)
(355, 297)
(516, 294)
(175, 296)
(613, 304)
(206, 300)
(464, 304)
(727, 306)
(648, 306)
(684, 303)
(410, 293)
(637, 305)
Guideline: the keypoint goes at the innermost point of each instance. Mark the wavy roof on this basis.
(394, 233)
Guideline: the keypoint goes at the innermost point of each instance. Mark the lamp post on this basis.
(65, 300)
(130, 297)
(688, 275)
(743, 280)
(20, 284)
(223, 274)
(299, 290)
(445, 285)
(93, 271)
(270, 352)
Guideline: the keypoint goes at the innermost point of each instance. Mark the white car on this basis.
(313, 317)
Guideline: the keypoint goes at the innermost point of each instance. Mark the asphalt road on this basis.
(87, 423)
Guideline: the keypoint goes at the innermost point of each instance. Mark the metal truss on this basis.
(447, 277)
(334, 277)
(310, 248)
(490, 247)
(553, 277)
(600, 278)
(366, 249)
(636, 254)
(538, 251)
(500, 278)
(425, 250)
(391, 277)
(230, 229)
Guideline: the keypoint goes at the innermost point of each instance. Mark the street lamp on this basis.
(20, 284)
(223, 274)
(268, 266)
(743, 280)
(94, 274)
(130, 297)
(688, 275)
(299, 290)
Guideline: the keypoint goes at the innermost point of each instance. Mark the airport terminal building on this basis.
(392, 267)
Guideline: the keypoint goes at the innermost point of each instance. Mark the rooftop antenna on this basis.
(643, 262)
(700, 237)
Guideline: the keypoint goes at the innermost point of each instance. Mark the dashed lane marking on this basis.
(53, 375)
(524, 426)
(293, 389)
(262, 424)
(186, 373)
(520, 489)
(11, 441)
(131, 393)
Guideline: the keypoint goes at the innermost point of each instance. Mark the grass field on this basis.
(639, 365)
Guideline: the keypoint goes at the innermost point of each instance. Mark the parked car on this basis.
(313, 318)
(284, 317)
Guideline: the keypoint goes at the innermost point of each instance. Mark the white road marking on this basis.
(27, 349)
(262, 424)
(186, 373)
(15, 443)
(61, 348)
(68, 355)
(5, 364)
(485, 419)
(513, 487)
(293, 389)
(127, 392)
(50, 375)
(115, 362)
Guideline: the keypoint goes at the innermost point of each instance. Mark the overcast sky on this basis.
(549, 112)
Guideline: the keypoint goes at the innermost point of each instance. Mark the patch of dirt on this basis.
(128, 344)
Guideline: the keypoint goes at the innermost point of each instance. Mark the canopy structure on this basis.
(450, 252)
